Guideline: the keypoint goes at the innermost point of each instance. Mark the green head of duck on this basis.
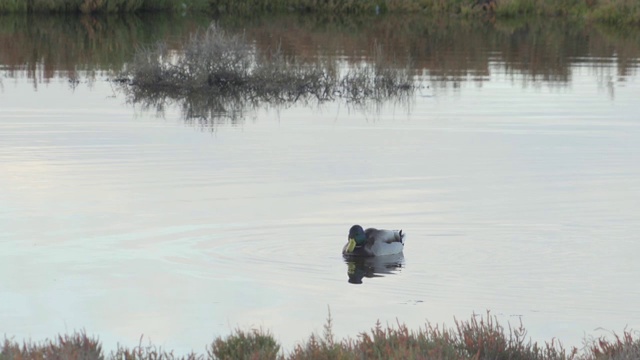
(357, 237)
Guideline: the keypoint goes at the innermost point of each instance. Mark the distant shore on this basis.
(480, 337)
(615, 12)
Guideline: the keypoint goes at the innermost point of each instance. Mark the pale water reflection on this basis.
(519, 193)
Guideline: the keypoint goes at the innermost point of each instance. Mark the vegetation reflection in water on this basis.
(219, 74)
(449, 50)
(30, 45)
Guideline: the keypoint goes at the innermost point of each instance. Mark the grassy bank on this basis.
(478, 338)
(101, 6)
(620, 12)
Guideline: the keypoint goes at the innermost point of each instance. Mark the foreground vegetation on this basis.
(479, 338)
(608, 11)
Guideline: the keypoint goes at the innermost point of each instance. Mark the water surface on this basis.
(514, 172)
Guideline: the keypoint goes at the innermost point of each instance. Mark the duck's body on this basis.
(373, 242)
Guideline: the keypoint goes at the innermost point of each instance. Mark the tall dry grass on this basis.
(75, 346)
(479, 338)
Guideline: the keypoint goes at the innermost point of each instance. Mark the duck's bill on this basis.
(351, 245)
(351, 268)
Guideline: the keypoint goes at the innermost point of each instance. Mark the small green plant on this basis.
(242, 345)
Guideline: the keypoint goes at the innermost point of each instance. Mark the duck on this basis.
(373, 242)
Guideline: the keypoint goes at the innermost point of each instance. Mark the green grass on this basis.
(13, 6)
(617, 12)
(479, 338)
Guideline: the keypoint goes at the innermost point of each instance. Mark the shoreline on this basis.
(613, 12)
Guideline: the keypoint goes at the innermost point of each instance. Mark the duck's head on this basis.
(356, 237)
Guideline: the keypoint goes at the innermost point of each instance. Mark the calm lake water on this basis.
(514, 170)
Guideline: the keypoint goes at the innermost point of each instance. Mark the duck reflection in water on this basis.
(370, 267)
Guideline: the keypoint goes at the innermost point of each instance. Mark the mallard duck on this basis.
(373, 242)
